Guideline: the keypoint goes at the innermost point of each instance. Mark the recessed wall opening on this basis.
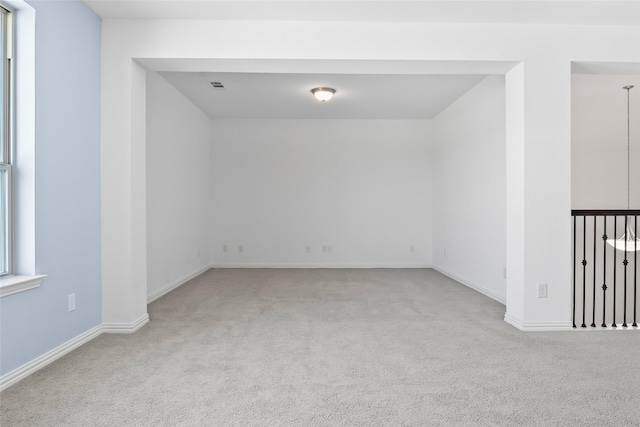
(398, 170)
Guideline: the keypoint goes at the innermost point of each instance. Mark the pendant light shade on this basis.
(628, 242)
(323, 94)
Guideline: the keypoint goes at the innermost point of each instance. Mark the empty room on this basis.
(323, 213)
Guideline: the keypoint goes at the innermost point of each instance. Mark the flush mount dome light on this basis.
(323, 94)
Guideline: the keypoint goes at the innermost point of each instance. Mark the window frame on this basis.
(7, 140)
(22, 124)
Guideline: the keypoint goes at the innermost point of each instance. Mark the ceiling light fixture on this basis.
(628, 242)
(323, 94)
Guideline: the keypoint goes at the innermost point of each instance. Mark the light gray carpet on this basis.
(334, 348)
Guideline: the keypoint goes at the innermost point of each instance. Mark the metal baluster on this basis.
(593, 308)
(625, 263)
(584, 269)
(615, 268)
(635, 274)
(574, 271)
(604, 273)
(628, 277)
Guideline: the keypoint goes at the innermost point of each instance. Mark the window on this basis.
(6, 169)
(17, 117)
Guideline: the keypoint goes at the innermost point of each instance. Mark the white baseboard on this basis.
(51, 356)
(537, 326)
(125, 328)
(491, 294)
(157, 294)
(315, 265)
(40, 362)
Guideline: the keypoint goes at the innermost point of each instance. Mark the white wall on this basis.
(469, 203)
(178, 146)
(362, 187)
(599, 141)
(538, 92)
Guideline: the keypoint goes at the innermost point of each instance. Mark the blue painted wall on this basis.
(68, 40)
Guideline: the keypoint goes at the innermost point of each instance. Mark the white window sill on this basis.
(14, 284)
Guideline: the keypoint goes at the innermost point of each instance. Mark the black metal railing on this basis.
(605, 279)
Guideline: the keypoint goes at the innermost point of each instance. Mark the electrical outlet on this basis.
(225, 248)
(542, 290)
(240, 248)
(72, 302)
(307, 249)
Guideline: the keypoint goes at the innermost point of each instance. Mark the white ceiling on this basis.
(282, 95)
(396, 95)
(578, 12)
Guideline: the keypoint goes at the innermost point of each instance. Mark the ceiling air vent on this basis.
(217, 85)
